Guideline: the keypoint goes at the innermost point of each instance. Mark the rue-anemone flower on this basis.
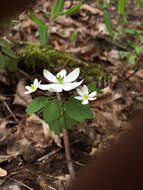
(33, 87)
(85, 96)
(61, 81)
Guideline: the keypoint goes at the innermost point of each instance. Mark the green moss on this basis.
(35, 58)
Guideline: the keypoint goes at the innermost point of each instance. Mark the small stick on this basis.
(10, 111)
(24, 185)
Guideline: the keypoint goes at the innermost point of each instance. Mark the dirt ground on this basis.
(31, 156)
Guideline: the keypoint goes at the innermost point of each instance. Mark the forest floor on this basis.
(31, 157)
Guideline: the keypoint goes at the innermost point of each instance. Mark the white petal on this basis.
(71, 86)
(51, 87)
(80, 92)
(28, 87)
(72, 76)
(28, 92)
(49, 76)
(44, 86)
(67, 86)
(36, 83)
(62, 73)
(92, 94)
(85, 89)
(85, 102)
(91, 99)
(78, 97)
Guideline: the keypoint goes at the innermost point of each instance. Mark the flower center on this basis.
(33, 87)
(85, 96)
(60, 79)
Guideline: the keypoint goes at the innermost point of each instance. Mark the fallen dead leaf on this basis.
(92, 10)
(20, 98)
(37, 130)
(3, 172)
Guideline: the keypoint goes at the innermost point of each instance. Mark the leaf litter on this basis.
(30, 152)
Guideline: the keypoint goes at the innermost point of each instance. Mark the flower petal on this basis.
(91, 99)
(85, 102)
(28, 87)
(36, 83)
(62, 73)
(28, 92)
(85, 89)
(44, 86)
(49, 76)
(78, 97)
(92, 94)
(72, 76)
(51, 87)
(80, 92)
(71, 86)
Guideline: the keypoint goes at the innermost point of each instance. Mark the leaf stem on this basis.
(66, 142)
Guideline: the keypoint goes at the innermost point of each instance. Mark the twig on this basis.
(10, 111)
(24, 185)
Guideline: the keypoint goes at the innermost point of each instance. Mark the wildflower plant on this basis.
(58, 112)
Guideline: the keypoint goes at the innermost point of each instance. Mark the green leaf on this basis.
(52, 111)
(43, 35)
(73, 9)
(57, 8)
(56, 126)
(4, 43)
(37, 104)
(38, 21)
(125, 54)
(140, 37)
(108, 22)
(10, 63)
(74, 35)
(140, 3)
(9, 52)
(121, 6)
(2, 61)
(131, 31)
(92, 86)
(140, 99)
(132, 59)
(76, 111)
(139, 49)
(69, 123)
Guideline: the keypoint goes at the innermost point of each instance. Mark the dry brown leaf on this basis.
(92, 10)
(108, 96)
(3, 172)
(38, 131)
(20, 98)
(14, 187)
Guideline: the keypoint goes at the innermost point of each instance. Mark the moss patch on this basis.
(34, 58)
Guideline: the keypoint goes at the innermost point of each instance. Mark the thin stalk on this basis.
(66, 142)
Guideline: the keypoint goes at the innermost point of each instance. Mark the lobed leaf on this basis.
(76, 111)
(37, 104)
(52, 111)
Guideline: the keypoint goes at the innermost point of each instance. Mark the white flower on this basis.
(33, 87)
(61, 81)
(85, 96)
